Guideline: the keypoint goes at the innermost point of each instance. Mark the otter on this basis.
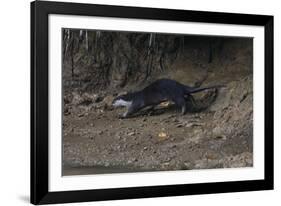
(159, 91)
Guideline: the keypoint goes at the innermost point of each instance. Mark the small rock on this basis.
(218, 131)
(100, 132)
(186, 166)
(81, 115)
(201, 164)
(175, 120)
(195, 139)
(131, 133)
(118, 136)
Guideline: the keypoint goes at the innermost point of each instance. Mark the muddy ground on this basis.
(217, 132)
(95, 140)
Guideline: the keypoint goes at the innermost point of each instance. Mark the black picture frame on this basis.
(39, 102)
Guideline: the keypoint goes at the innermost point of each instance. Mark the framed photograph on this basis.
(131, 102)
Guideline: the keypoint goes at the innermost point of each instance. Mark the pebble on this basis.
(187, 165)
(131, 133)
(175, 120)
(81, 115)
(118, 136)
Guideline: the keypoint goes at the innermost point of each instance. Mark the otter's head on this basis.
(122, 101)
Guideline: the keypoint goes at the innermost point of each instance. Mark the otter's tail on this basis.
(194, 90)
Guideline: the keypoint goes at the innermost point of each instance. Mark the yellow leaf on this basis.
(162, 136)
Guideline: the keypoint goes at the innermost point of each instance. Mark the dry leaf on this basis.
(162, 136)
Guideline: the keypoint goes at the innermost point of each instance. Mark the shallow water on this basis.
(67, 170)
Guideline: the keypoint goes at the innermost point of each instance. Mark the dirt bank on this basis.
(220, 136)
